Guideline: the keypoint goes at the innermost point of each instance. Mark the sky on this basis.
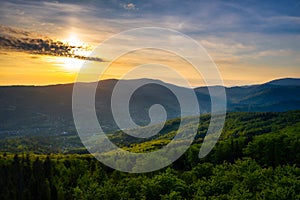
(46, 42)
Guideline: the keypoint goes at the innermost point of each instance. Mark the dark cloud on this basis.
(16, 39)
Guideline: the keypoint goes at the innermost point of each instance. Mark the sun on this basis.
(78, 48)
(73, 40)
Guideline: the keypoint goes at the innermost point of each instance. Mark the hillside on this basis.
(257, 158)
(237, 125)
(285, 82)
(47, 109)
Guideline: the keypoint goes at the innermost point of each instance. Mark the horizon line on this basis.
(111, 79)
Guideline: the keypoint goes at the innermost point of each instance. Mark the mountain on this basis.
(285, 82)
(272, 96)
(48, 109)
(277, 96)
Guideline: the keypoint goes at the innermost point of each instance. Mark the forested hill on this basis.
(237, 125)
(48, 109)
(257, 157)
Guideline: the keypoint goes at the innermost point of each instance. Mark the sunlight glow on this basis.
(69, 64)
(78, 48)
(73, 40)
(66, 64)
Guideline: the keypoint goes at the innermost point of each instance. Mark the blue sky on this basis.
(250, 41)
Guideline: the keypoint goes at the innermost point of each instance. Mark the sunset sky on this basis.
(46, 42)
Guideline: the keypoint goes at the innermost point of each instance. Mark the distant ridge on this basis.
(285, 82)
(40, 107)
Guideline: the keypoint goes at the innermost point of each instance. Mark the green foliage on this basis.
(82, 177)
(258, 162)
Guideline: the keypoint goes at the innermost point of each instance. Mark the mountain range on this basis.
(37, 109)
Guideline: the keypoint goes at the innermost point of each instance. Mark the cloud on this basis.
(129, 6)
(278, 52)
(229, 47)
(234, 32)
(226, 52)
(18, 39)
